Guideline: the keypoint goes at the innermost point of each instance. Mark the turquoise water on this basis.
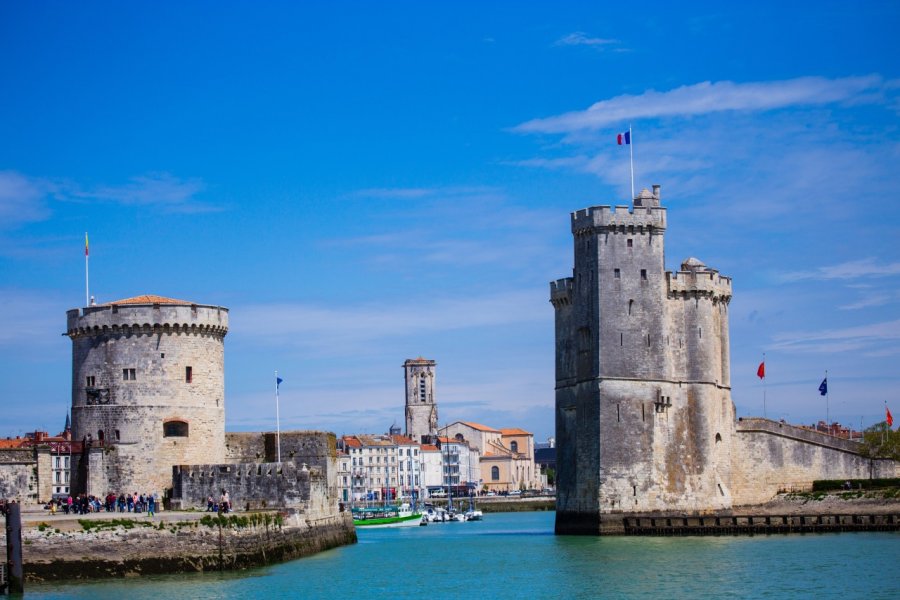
(516, 555)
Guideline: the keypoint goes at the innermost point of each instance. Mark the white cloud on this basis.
(840, 340)
(854, 269)
(336, 329)
(22, 199)
(579, 38)
(709, 97)
(867, 302)
(161, 190)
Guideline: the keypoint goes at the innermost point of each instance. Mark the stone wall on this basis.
(180, 547)
(245, 447)
(18, 475)
(137, 368)
(770, 457)
(249, 485)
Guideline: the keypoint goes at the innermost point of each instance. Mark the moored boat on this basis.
(386, 516)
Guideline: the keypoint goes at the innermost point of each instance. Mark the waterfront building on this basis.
(432, 468)
(344, 475)
(461, 468)
(506, 456)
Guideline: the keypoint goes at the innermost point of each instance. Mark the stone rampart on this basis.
(249, 485)
(770, 457)
(18, 475)
(245, 447)
(188, 546)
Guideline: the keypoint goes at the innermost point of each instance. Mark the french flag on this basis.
(624, 138)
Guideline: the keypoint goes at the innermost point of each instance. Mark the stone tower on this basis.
(644, 416)
(421, 408)
(148, 388)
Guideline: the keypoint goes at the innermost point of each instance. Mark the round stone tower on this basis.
(148, 391)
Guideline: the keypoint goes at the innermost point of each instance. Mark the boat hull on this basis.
(411, 520)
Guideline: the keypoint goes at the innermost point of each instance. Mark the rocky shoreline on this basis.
(57, 550)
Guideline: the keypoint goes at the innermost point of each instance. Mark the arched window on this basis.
(175, 429)
(495, 473)
(718, 437)
(422, 388)
(459, 437)
(514, 446)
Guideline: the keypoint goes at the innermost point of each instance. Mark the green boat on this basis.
(386, 516)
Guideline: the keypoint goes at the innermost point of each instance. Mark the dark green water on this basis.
(516, 555)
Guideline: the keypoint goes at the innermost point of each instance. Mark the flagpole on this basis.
(764, 387)
(827, 415)
(87, 292)
(277, 420)
(631, 152)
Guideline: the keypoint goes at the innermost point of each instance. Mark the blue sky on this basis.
(363, 184)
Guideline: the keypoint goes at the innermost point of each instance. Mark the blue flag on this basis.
(823, 388)
(278, 381)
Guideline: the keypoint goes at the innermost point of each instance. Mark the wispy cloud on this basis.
(162, 190)
(854, 269)
(709, 97)
(867, 302)
(579, 38)
(22, 199)
(871, 336)
(347, 328)
(25, 199)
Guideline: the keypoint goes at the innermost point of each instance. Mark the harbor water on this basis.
(516, 555)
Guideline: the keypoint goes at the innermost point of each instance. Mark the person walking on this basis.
(151, 505)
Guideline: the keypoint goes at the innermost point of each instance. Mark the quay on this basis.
(759, 524)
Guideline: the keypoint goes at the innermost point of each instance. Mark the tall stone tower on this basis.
(643, 401)
(148, 388)
(421, 407)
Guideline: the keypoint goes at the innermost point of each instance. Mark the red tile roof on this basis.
(14, 443)
(480, 427)
(150, 299)
(430, 448)
(514, 431)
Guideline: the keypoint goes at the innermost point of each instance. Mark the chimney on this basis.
(656, 191)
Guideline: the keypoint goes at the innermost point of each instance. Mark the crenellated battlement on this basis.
(147, 318)
(644, 216)
(561, 292)
(709, 284)
(697, 280)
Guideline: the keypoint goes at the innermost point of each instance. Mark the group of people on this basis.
(83, 504)
(222, 506)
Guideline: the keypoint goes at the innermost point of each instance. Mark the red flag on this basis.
(889, 418)
(761, 371)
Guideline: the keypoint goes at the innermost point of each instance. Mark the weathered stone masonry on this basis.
(148, 386)
(644, 417)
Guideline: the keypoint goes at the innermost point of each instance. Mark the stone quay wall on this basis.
(179, 547)
(771, 457)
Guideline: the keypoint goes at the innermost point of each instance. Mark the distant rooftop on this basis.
(150, 299)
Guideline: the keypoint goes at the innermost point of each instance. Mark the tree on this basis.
(880, 442)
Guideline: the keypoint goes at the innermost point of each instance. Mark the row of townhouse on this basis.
(465, 458)
(377, 467)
